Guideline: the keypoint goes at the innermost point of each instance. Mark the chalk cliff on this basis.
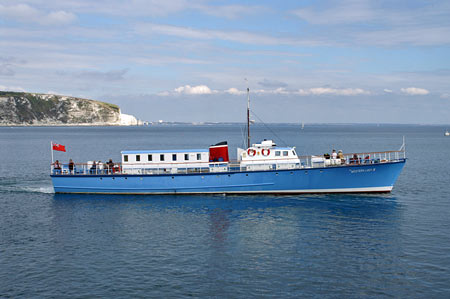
(28, 109)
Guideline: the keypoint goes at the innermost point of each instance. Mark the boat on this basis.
(260, 168)
(447, 133)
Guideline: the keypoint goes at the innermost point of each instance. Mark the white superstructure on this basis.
(266, 155)
(147, 162)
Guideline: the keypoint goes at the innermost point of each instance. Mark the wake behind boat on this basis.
(260, 168)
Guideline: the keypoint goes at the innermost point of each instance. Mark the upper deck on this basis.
(204, 166)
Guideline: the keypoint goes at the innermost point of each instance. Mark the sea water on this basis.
(348, 245)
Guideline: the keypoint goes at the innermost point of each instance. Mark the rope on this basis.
(244, 137)
(267, 127)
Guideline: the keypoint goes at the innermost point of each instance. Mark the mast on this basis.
(248, 115)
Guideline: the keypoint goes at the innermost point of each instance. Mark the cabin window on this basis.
(174, 157)
(138, 158)
(125, 158)
(199, 156)
(161, 157)
(186, 157)
(149, 158)
(277, 153)
(285, 153)
(293, 152)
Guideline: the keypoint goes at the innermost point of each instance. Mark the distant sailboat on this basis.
(303, 125)
(447, 133)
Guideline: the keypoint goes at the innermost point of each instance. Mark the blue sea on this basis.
(324, 246)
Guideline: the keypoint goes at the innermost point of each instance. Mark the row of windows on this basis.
(162, 157)
(285, 153)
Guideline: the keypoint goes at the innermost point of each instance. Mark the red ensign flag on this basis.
(59, 147)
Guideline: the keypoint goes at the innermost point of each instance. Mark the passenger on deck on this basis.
(71, 166)
(93, 169)
(341, 156)
(57, 167)
(355, 159)
(334, 154)
(100, 167)
(326, 156)
(110, 165)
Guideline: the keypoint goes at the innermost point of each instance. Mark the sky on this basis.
(330, 61)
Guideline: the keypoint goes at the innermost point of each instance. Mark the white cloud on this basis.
(59, 17)
(387, 90)
(151, 8)
(163, 93)
(318, 91)
(234, 91)
(332, 91)
(199, 89)
(281, 90)
(19, 11)
(425, 24)
(229, 11)
(27, 14)
(233, 36)
(419, 36)
(414, 91)
(345, 12)
(11, 88)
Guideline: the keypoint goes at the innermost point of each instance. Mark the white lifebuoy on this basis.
(251, 152)
(265, 152)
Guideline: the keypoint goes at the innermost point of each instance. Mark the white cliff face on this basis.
(128, 120)
(46, 110)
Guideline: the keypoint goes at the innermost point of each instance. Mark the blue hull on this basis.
(350, 178)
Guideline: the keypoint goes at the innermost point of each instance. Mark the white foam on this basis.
(30, 189)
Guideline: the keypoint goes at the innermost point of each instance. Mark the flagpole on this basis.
(51, 149)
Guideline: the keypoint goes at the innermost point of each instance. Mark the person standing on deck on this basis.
(71, 166)
(110, 165)
(57, 167)
(100, 166)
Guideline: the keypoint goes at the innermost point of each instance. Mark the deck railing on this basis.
(232, 166)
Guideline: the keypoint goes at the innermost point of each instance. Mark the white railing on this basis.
(232, 166)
